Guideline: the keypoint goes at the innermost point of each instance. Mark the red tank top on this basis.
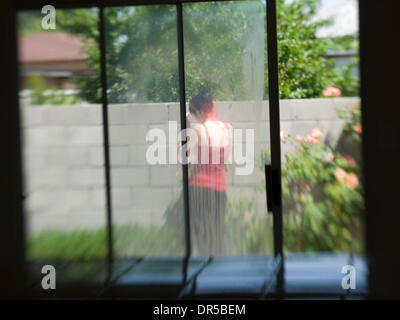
(209, 172)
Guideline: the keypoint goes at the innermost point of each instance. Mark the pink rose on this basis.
(358, 128)
(284, 135)
(299, 138)
(309, 140)
(331, 92)
(340, 174)
(329, 157)
(316, 133)
(352, 180)
(308, 187)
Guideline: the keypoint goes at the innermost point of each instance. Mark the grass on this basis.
(244, 238)
(62, 245)
(86, 245)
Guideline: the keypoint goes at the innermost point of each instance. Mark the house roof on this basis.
(50, 46)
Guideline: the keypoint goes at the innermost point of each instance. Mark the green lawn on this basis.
(92, 244)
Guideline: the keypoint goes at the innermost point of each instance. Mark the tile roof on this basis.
(50, 46)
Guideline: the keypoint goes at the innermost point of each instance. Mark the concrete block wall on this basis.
(64, 158)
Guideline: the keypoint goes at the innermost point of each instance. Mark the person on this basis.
(207, 178)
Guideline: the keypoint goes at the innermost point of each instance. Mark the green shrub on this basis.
(40, 94)
(37, 84)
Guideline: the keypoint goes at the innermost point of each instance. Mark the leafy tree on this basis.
(142, 56)
(224, 47)
(144, 53)
(220, 51)
(29, 22)
(303, 70)
(84, 22)
(347, 82)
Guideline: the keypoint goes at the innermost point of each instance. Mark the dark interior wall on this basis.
(380, 72)
(11, 225)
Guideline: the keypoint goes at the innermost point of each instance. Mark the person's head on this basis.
(202, 106)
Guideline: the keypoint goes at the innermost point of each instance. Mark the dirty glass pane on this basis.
(225, 59)
(62, 137)
(321, 126)
(143, 93)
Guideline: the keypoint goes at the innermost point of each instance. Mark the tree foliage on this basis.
(222, 42)
(303, 72)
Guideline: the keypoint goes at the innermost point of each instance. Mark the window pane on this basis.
(225, 58)
(320, 123)
(62, 136)
(143, 92)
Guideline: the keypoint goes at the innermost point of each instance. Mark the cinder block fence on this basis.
(64, 158)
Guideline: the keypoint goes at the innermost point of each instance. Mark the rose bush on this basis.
(322, 192)
(322, 198)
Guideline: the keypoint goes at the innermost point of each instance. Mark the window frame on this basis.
(274, 196)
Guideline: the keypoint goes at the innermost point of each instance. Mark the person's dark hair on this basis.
(203, 101)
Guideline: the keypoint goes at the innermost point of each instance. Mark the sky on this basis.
(330, 3)
(345, 14)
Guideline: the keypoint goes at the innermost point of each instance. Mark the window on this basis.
(108, 200)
